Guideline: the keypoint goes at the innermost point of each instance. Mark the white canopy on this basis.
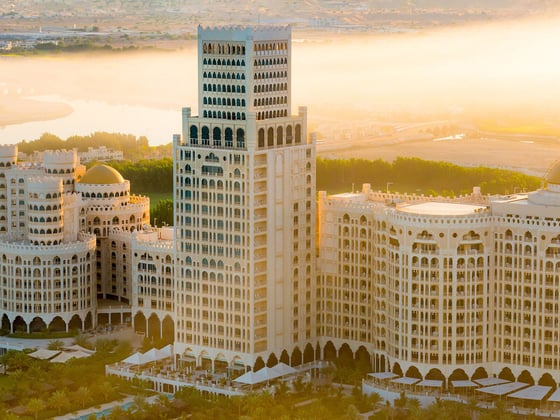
(463, 384)
(432, 383)
(405, 380)
(555, 397)
(282, 369)
(164, 352)
(265, 374)
(77, 347)
(151, 355)
(503, 389)
(248, 378)
(535, 393)
(44, 354)
(67, 355)
(148, 357)
(490, 381)
(134, 359)
(383, 375)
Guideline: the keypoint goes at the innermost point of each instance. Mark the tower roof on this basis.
(102, 174)
(553, 174)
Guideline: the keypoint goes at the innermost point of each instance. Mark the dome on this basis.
(553, 174)
(102, 174)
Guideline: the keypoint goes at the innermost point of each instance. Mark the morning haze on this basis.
(359, 85)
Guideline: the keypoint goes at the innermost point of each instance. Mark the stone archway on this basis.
(345, 355)
(57, 324)
(140, 323)
(363, 360)
(285, 357)
(19, 325)
(75, 323)
(88, 322)
(168, 329)
(413, 372)
(526, 378)
(507, 375)
(37, 325)
(547, 380)
(259, 364)
(6, 324)
(458, 375)
(272, 360)
(397, 370)
(308, 354)
(154, 327)
(297, 357)
(479, 373)
(436, 375)
(330, 352)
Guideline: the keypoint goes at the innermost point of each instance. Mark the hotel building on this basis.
(425, 286)
(65, 240)
(259, 269)
(244, 205)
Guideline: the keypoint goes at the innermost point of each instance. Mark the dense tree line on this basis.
(133, 147)
(413, 175)
(407, 175)
(153, 175)
(162, 212)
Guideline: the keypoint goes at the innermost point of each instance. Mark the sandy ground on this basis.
(527, 154)
(20, 110)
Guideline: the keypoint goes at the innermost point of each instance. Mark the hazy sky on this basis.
(490, 67)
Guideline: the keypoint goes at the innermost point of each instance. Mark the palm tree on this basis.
(140, 403)
(83, 395)
(59, 401)
(35, 405)
(374, 398)
(55, 344)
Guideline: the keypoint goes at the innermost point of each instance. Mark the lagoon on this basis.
(89, 116)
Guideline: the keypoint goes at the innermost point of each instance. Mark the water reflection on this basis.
(157, 124)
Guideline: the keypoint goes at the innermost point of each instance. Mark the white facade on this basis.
(439, 288)
(101, 154)
(66, 240)
(244, 205)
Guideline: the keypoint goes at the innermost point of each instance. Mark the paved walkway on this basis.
(120, 333)
(93, 410)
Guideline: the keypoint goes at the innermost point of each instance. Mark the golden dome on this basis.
(102, 174)
(553, 174)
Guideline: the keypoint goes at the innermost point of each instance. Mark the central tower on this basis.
(244, 206)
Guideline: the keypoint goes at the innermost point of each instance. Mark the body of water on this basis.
(157, 124)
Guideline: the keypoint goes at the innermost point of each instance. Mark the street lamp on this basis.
(387, 186)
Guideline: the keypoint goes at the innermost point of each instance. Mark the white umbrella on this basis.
(282, 369)
(134, 359)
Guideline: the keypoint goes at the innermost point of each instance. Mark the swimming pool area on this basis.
(106, 412)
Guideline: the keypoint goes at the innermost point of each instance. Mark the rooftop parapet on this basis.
(244, 33)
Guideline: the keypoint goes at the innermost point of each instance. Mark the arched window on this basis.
(298, 134)
(194, 134)
(261, 137)
(289, 134)
(270, 137)
(279, 136)
(217, 136)
(240, 138)
(228, 136)
(205, 136)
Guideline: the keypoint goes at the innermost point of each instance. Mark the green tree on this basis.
(59, 401)
(162, 213)
(83, 396)
(55, 345)
(35, 406)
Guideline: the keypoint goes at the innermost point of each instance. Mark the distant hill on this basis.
(465, 4)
